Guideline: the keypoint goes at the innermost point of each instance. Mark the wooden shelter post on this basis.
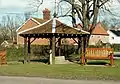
(85, 46)
(50, 58)
(53, 50)
(83, 50)
(25, 50)
(29, 52)
(79, 45)
(59, 45)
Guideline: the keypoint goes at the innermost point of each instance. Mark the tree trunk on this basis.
(95, 14)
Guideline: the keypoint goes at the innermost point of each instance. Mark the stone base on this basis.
(61, 60)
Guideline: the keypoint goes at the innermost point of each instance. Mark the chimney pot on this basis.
(46, 14)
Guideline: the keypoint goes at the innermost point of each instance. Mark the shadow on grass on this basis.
(97, 63)
(37, 60)
(41, 60)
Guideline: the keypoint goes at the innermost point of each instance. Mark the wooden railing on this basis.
(3, 57)
(99, 54)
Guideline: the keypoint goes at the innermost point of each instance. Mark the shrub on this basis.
(40, 52)
(14, 54)
(116, 47)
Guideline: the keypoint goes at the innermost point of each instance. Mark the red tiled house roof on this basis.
(98, 30)
(32, 22)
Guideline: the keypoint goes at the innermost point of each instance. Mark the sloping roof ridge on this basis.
(30, 18)
(35, 27)
(73, 27)
(23, 24)
(62, 22)
(99, 26)
(33, 18)
(82, 30)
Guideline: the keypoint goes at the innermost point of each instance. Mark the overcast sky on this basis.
(15, 7)
(12, 3)
(21, 6)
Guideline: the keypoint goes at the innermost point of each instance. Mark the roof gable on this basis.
(31, 22)
(99, 30)
(39, 20)
(46, 27)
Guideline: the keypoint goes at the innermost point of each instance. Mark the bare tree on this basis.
(87, 11)
(3, 30)
(35, 4)
(8, 27)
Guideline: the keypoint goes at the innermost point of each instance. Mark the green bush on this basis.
(14, 54)
(116, 47)
(43, 50)
(40, 52)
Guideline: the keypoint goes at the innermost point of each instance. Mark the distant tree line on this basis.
(8, 27)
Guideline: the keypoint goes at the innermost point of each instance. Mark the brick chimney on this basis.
(46, 14)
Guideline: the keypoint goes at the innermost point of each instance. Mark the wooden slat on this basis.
(98, 53)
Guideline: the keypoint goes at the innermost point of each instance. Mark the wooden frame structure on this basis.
(45, 31)
(52, 38)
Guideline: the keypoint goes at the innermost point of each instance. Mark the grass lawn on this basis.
(63, 71)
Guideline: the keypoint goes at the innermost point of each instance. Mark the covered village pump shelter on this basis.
(54, 30)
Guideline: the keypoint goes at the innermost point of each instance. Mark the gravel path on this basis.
(37, 80)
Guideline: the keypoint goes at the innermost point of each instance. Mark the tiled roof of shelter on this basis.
(39, 20)
(46, 27)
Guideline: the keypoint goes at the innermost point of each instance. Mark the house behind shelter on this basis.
(114, 36)
(99, 34)
(31, 23)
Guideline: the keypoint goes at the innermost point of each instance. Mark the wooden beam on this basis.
(75, 40)
(53, 49)
(25, 50)
(59, 46)
(50, 58)
(33, 40)
(83, 52)
(78, 51)
(29, 50)
(85, 46)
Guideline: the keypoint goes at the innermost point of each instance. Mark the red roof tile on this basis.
(98, 30)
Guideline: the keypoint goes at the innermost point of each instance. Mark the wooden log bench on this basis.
(3, 57)
(99, 54)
